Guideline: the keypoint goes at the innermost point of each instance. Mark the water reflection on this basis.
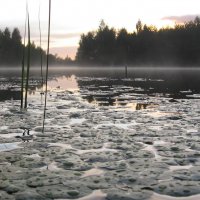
(9, 95)
(63, 83)
(106, 87)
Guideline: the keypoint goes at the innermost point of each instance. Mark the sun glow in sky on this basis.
(71, 18)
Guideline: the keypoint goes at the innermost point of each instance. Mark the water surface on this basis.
(108, 86)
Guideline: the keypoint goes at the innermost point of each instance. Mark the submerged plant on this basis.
(47, 66)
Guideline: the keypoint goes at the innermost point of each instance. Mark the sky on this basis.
(71, 18)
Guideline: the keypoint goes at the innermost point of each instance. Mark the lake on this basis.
(175, 83)
(107, 136)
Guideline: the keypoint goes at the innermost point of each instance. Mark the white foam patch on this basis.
(192, 131)
(93, 172)
(3, 128)
(153, 150)
(105, 148)
(160, 142)
(77, 120)
(155, 128)
(95, 195)
(9, 135)
(62, 145)
(51, 167)
(118, 125)
(178, 167)
(157, 196)
(9, 146)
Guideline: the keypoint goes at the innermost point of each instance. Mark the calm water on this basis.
(109, 86)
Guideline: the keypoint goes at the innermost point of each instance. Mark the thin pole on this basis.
(47, 67)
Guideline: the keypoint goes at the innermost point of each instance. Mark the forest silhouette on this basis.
(11, 50)
(147, 46)
(178, 46)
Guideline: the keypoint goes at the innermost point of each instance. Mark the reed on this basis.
(47, 66)
(28, 64)
(41, 56)
(23, 65)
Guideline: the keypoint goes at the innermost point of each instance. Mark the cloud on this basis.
(57, 36)
(181, 19)
(65, 35)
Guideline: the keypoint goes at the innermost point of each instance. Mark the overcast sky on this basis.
(71, 18)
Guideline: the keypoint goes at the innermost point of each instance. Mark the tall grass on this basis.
(47, 66)
(126, 71)
(28, 64)
(23, 65)
(41, 56)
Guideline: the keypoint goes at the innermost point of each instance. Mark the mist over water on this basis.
(170, 82)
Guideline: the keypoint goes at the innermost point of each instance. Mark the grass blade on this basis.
(28, 64)
(47, 67)
(41, 57)
(23, 63)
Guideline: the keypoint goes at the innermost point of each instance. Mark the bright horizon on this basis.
(72, 18)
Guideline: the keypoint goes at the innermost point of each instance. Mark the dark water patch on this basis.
(9, 95)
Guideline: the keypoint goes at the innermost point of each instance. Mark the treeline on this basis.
(146, 46)
(11, 50)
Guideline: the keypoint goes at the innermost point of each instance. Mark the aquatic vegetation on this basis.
(22, 73)
(41, 51)
(26, 79)
(28, 64)
(47, 66)
(25, 71)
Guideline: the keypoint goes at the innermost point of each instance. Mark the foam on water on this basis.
(157, 196)
(95, 195)
(9, 146)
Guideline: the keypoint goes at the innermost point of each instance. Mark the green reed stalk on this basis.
(41, 57)
(47, 67)
(23, 62)
(28, 64)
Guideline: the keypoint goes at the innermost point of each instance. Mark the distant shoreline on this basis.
(4, 67)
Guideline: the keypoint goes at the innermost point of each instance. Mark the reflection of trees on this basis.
(8, 95)
(179, 45)
(141, 106)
